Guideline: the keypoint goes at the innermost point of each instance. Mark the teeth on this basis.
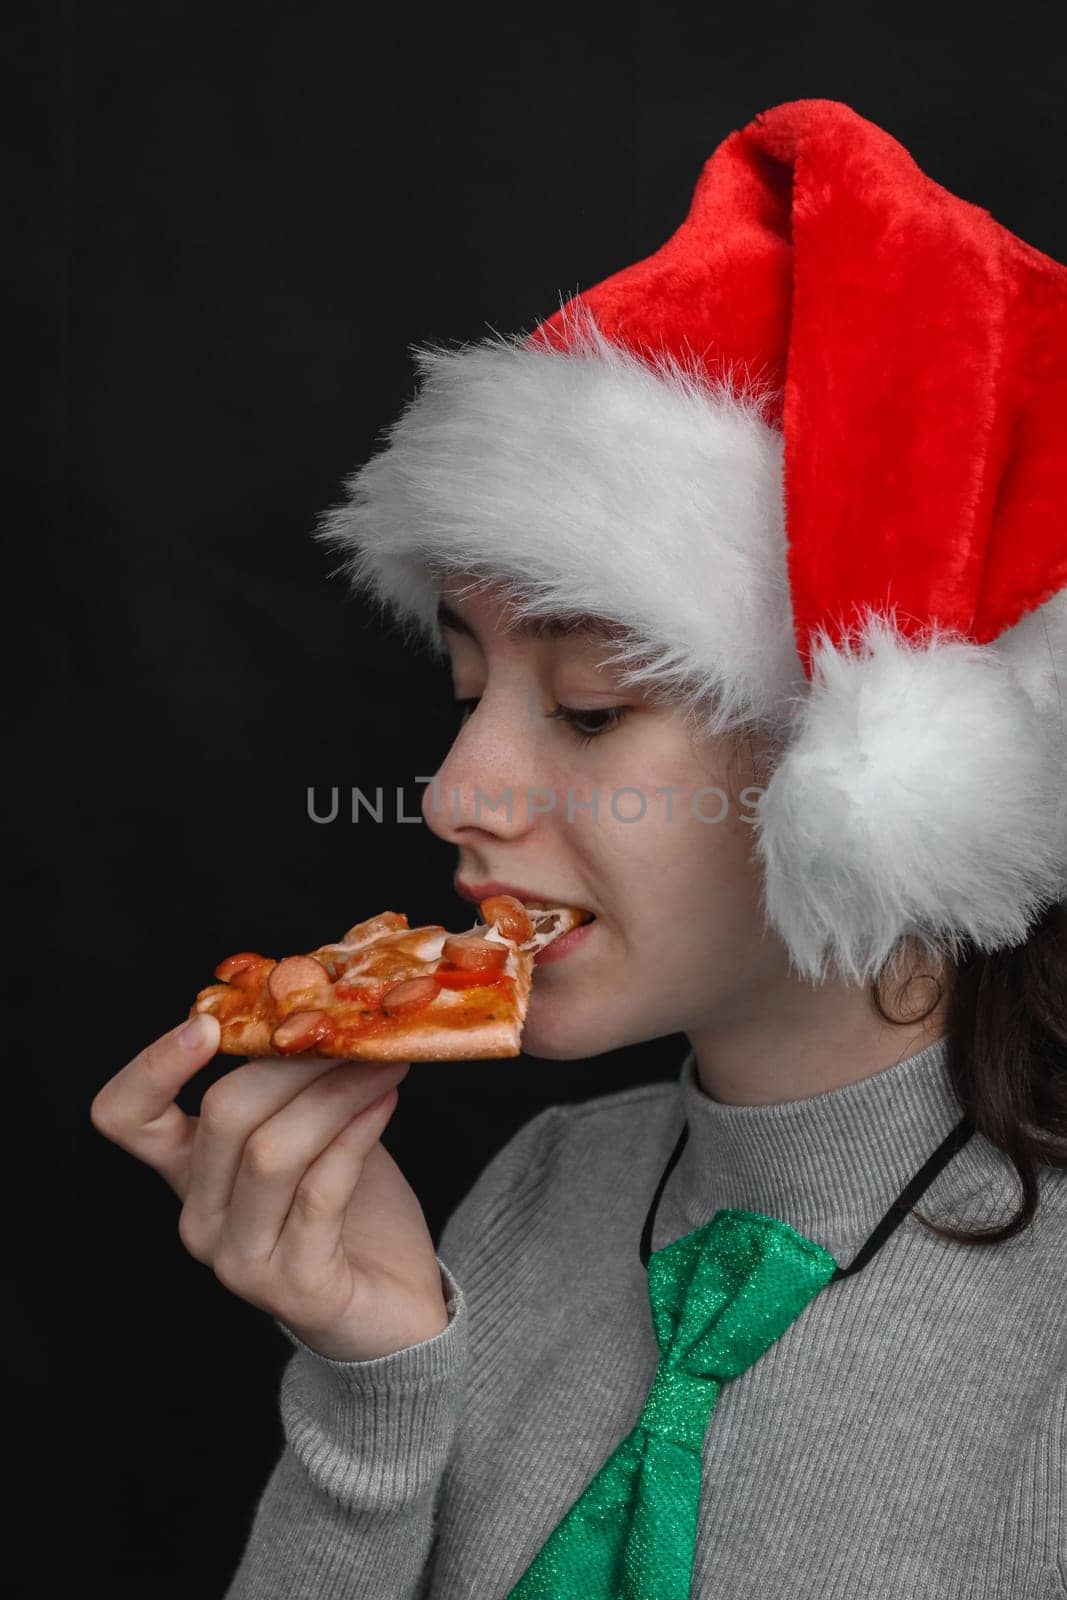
(549, 905)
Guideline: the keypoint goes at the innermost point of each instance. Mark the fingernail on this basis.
(196, 1032)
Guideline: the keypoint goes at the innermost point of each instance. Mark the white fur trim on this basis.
(593, 483)
(923, 794)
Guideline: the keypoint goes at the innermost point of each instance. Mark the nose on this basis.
(485, 783)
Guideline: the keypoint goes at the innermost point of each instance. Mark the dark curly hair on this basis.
(1006, 1056)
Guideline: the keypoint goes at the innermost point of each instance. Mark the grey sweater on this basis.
(904, 1439)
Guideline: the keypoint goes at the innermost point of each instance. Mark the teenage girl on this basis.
(448, 1410)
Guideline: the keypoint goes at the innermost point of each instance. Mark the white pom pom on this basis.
(922, 794)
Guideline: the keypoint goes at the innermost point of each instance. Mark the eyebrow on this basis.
(531, 627)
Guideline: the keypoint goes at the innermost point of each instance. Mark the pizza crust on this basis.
(427, 1043)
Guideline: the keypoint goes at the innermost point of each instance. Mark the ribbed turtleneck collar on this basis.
(827, 1163)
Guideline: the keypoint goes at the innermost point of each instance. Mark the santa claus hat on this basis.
(812, 455)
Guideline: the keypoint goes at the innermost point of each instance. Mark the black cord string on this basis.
(650, 1219)
(918, 1185)
(902, 1204)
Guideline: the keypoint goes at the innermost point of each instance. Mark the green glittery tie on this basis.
(720, 1297)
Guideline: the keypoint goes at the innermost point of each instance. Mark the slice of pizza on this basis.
(389, 992)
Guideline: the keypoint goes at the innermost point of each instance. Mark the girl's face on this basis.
(664, 861)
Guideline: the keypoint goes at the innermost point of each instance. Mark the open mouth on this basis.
(544, 905)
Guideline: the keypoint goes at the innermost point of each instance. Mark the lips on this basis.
(476, 892)
(561, 947)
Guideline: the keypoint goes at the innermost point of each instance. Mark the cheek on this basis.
(685, 875)
(669, 836)
(692, 827)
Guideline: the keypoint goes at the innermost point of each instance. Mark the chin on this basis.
(552, 1055)
(559, 1033)
(544, 1046)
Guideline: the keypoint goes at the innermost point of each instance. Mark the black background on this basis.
(230, 223)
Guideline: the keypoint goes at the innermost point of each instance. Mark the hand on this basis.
(288, 1194)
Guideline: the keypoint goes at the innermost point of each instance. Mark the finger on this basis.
(280, 1152)
(135, 1109)
(312, 1233)
(230, 1112)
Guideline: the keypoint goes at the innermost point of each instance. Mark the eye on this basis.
(577, 718)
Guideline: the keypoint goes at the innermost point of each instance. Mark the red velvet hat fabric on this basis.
(920, 353)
